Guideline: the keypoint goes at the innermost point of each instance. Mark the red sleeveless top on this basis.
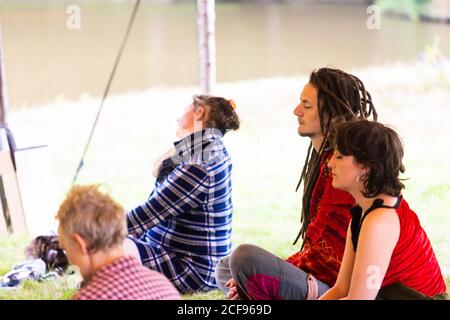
(325, 237)
(413, 261)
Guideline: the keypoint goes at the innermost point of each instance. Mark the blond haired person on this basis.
(92, 229)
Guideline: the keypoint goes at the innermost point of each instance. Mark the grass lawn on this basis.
(267, 155)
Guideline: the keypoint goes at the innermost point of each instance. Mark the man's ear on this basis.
(81, 243)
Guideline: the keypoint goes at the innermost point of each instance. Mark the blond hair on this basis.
(93, 215)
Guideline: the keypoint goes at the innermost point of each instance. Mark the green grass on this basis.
(61, 289)
(267, 156)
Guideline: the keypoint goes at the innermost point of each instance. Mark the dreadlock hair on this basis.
(341, 97)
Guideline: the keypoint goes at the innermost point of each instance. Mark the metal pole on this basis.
(4, 144)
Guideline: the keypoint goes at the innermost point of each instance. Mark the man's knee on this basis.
(223, 273)
(244, 259)
(223, 263)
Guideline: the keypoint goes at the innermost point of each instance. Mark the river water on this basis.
(47, 61)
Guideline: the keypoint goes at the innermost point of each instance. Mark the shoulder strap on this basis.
(379, 203)
(357, 223)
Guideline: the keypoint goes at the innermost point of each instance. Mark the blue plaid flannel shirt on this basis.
(190, 212)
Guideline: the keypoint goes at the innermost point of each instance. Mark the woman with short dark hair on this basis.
(387, 254)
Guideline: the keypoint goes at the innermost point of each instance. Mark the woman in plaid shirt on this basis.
(184, 227)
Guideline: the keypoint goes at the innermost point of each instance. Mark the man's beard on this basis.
(305, 134)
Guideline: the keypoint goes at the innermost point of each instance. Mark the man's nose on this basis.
(298, 111)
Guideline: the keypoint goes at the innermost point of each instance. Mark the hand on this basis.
(233, 292)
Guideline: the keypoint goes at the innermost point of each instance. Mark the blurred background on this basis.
(265, 51)
(255, 39)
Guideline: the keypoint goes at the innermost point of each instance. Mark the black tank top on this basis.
(357, 221)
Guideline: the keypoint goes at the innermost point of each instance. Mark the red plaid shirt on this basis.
(126, 279)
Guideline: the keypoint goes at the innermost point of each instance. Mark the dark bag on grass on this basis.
(47, 248)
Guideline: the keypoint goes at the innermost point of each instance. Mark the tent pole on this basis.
(206, 17)
(3, 96)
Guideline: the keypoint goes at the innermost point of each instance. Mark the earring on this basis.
(357, 178)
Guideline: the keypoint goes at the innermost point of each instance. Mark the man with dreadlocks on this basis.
(331, 97)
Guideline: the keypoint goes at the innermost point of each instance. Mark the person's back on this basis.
(126, 279)
(193, 230)
(413, 262)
